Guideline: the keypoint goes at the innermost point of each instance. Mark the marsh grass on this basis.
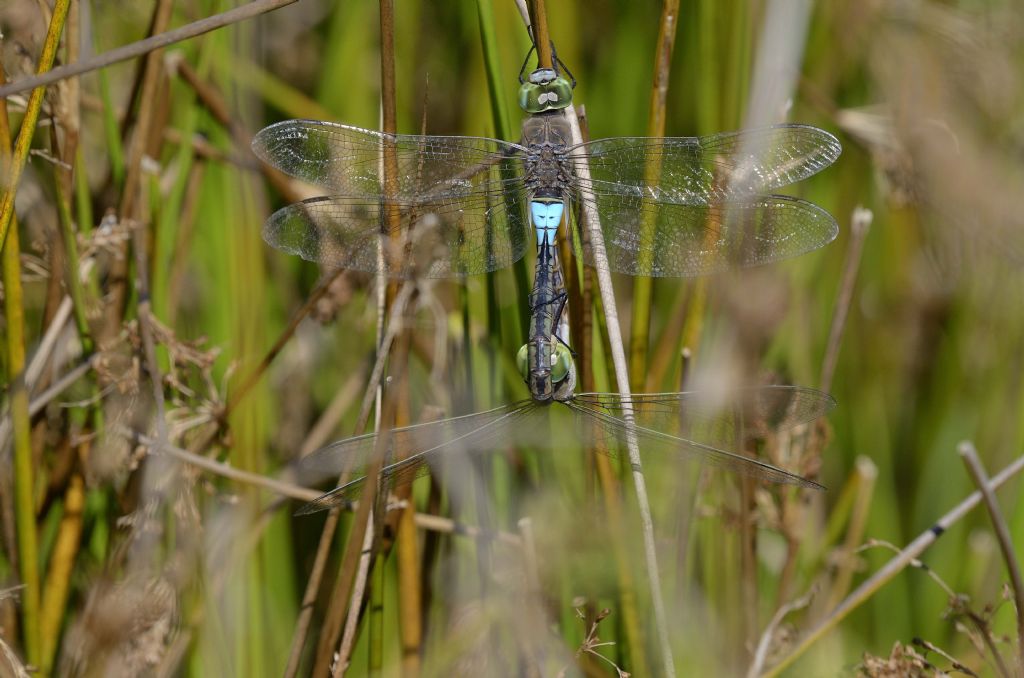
(239, 357)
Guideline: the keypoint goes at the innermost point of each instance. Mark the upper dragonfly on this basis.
(467, 203)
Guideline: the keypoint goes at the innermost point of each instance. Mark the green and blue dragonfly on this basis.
(452, 206)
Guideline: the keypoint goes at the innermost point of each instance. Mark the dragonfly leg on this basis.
(561, 299)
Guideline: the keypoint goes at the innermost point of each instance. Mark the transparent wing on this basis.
(445, 237)
(348, 160)
(705, 170)
(760, 410)
(696, 423)
(676, 240)
(422, 443)
(608, 432)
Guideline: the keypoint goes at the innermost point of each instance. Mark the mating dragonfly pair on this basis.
(451, 206)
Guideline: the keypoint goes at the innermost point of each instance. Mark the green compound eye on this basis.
(561, 363)
(523, 360)
(549, 96)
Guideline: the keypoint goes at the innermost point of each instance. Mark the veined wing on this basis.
(348, 160)
(677, 240)
(759, 410)
(444, 237)
(422, 443)
(610, 433)
(705, 170)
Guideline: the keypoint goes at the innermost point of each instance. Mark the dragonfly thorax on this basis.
(547, 130)
(547, 169)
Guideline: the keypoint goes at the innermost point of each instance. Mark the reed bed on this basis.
(165, 371)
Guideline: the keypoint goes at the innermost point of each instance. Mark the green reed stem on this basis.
(643, 285)
(708, 55)
(504, 129)
(28, 123)
(111, 132)
(83, 201)
(492, 65)
(24, 505)
(376, 655)
(73, 279)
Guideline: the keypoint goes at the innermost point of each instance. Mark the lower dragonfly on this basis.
(607, 421)
(445, 206)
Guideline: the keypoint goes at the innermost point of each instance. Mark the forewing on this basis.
(704, 170)
(648, 238)
(422, 445)
(349, 160)
(445, 237)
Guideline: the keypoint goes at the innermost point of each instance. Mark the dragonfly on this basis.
(448, 206)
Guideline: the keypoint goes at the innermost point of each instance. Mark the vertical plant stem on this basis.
(355, 606)
(860, 223)
(863, 487)
(407, 559)
(593, 225)
(111, 132)
(343, 587)
(541, 37)
(83, 201)
(533, 656)
(131, 206)
(361, 522)
(58, 578)
(748, 563)
(667, 346)
(709, 84)
(492, 65)
(610, 487)
(63, 187)
(24, 484)
(693, 326)
(1002, 530)
(74, 275)
(24, 505)
(316, 574)
(410, 597)
(643, 285)
(376, 656)
(504, 129)
(310, 594)
(12, 174)
(604, 281)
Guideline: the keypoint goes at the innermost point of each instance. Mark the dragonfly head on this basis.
(560, 375)
(545, 90)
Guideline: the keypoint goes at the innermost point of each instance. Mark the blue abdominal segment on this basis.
(546, 216)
